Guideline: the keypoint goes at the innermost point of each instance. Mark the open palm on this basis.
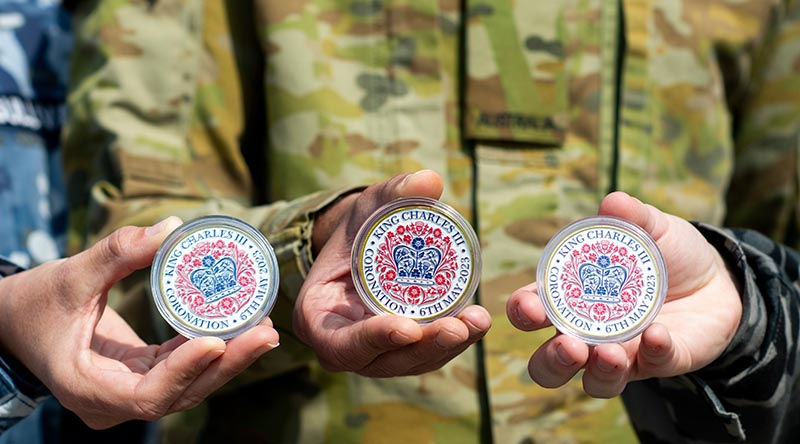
(54, 320)
(699, 317)
(330, 316)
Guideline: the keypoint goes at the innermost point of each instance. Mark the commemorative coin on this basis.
(602, 279)
(214, 276)
(416, 257)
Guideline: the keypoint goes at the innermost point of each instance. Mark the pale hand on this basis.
(701, 313)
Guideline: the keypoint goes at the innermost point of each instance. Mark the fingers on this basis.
(657, 355)
(442, 340)
(104, 397)
(525, 311)
(240, 353)
(117, 255)
(351, 211)
(180, 375)
(449, 342)
(389, 345)
(425, 183)
(607, 371)
(439, 339)
(351, 346)
(557, 361)
(624, 206)
(477, 319)
(168, 380)
(607, 367)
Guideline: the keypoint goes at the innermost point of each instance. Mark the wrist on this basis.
(732, 273)
(328, 218)
(6, 310)
(10, 364)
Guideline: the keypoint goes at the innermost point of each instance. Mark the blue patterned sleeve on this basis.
(20, 391)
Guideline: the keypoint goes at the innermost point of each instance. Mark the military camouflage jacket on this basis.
(531, 111)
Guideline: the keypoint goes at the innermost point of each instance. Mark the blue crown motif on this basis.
(216, 279)
(602, 282)
(416, 265)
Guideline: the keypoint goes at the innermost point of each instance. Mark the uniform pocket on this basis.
(516, 85)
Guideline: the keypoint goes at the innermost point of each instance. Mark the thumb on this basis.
(425, 183)
(624, 206)
(122, 252)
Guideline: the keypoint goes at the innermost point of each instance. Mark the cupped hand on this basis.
(330, 316)
(54, 320)
(697, 321)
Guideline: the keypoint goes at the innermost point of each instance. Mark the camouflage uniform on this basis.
(531, 111)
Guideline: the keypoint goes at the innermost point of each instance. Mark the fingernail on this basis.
(606, 366)
(523, 320)
(268, 346)
(407, 178)
(563, 357)
(156, 229)
(653, 349)
(442, 340)
(471, 326)
(211, 356)
(398, 338)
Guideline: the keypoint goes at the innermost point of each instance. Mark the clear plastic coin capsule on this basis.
(214, 276)
(602, 279)
(416, 257)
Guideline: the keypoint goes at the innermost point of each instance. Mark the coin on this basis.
(416, 257)
(602, 279)
(214, 276)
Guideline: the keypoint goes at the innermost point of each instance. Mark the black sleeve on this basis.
(750, 393)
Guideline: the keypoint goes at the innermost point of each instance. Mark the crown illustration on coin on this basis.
(416, 264)
(602, 282)
(216, 279)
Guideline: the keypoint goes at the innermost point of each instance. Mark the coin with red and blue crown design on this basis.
(214, 276)
(602, 279)
(416, 257)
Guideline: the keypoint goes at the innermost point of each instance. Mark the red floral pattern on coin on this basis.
(215, 275)
(239, 288)
(416, 264)
(416, 257)
(601, 279)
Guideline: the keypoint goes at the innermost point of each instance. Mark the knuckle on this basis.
(149, 410)
(64, 274)
(114, 246)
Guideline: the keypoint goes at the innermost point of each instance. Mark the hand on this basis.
(330, 316)
(699, 317)
(54, 320)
